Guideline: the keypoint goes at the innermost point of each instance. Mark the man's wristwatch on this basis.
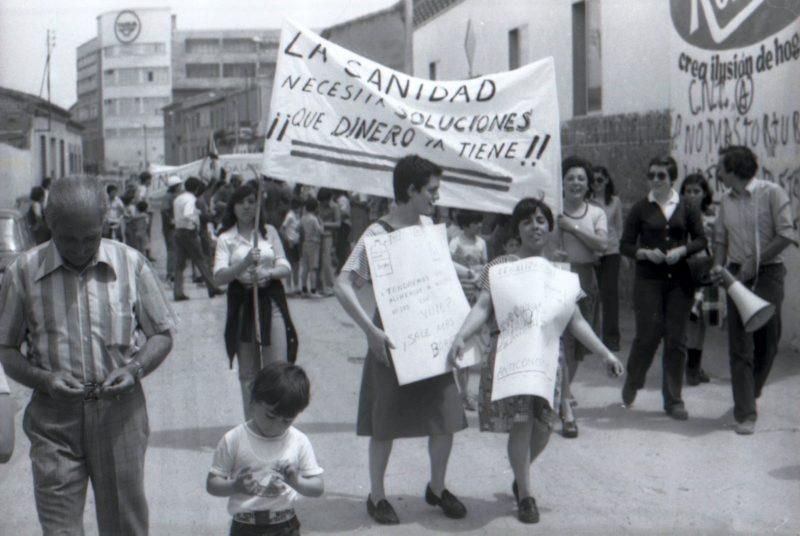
(138, 370)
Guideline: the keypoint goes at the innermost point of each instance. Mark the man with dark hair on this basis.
(754, 225)
(187, 239)
(78, 301)
(386, 410)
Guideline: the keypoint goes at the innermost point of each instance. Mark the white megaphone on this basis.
(754, 311)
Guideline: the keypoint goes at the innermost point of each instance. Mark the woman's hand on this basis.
(456, 351)
(614, 367)
(674, 255)
(566, 225)
(252, 257)
(656, 256)
(378, 340)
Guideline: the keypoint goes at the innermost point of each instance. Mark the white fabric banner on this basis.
(419, 298)
(735, 75)
(533, 302)
(248, 165)
(340, 120)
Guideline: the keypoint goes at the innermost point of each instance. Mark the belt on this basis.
(264, 517)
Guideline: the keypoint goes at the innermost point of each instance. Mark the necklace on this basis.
(585, 210)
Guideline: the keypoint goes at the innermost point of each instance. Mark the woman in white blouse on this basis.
(240, 265)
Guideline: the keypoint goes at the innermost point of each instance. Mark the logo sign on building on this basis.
(340, 120)
(735, 73)
(127, 26)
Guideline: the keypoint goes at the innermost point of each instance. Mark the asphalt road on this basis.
(631, 471)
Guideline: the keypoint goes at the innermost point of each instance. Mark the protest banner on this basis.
(735, 70)
(248, 165)
(533, 302)
(419, 298)
(340, 120)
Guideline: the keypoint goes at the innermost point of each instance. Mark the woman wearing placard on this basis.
(387, 411)
(527, 418)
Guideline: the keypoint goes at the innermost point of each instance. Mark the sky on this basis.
(24, 25)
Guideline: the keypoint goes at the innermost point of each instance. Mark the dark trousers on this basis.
(662, 309)
(77, 441)
(169, 244)
(342, 245)
(187, 246)
(752, 354)
(608, 281)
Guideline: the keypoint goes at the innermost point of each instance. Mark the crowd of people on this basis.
(265, 242)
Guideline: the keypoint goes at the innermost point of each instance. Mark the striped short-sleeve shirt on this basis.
(82, 323)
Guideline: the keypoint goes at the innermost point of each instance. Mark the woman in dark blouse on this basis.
(660, 232)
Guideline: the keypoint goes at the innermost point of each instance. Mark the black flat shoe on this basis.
(628, 395)
(182, 297)
(527, 512)
(382, 512)
(450, 505)
(569, 429)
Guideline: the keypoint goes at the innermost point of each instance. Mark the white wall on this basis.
(635, 47)
(15, 174)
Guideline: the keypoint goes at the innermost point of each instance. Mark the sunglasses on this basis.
(599, 178)
(660, 175)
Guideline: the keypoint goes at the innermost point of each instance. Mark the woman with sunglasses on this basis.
(607, 270)
(582, 236)
(660, 232)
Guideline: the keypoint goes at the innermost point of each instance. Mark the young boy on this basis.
(312, 241)
(136, 228)
(263, 464)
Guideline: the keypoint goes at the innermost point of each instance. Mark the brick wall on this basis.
(624, 144)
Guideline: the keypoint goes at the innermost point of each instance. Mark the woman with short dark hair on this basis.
(660, 231)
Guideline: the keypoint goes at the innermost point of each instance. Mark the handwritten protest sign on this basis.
(533, 302)
(340, 120)
(735, 73)
(419, 298)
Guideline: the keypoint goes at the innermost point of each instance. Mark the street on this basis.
(631, 471)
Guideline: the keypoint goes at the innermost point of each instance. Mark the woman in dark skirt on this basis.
(387, 411)
(239, 265)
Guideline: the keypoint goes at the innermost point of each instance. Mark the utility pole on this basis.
(51, 44)
(146, 165)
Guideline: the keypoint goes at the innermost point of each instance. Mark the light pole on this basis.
(146, 165)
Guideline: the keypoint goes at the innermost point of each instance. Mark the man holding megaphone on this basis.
(754, 225)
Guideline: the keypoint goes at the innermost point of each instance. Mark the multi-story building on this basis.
(37, 140)
(138, 63)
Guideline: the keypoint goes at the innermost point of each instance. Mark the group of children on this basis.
(127, 219)
(303, 232)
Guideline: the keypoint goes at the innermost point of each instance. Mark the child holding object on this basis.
(264, 464)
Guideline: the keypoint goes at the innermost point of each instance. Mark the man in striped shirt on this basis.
(95, 321)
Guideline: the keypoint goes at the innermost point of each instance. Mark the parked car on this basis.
(15, 236)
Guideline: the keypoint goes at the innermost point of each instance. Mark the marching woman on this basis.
(386, 410)
(240, 265)
(527, 419)
(660, 231)
(583, 237)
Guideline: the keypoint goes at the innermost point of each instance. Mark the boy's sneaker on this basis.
(315, 295)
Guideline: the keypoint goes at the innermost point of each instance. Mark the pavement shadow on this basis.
(340, 512)
(789, 472)
(614, 417)
(202, 439)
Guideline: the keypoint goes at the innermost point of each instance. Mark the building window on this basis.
(238, 70)
(432, 70)
(513, 49)
(202, 46)
(266, 69)
(587, 57)
(202, 70)
(267, 45)
(149, 76)
(239, 45)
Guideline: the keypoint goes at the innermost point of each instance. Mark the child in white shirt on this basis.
(264, 464)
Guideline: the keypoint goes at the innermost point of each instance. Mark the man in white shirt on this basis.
(187, 239)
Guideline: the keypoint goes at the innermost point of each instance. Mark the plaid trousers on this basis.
(103, 441)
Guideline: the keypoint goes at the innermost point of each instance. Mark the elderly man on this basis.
(754, 225)
(79, 300)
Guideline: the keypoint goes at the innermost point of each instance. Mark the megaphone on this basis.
(754, 311)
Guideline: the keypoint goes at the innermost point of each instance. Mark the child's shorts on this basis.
(293, 253)
(310, 256)
(249, 527)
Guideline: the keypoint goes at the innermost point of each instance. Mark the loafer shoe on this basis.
(448, 502)
(746, 427)
(182, 297)
(382, 512)
(569, 429)
(678, 413)
(527, 512)
(628, 395)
